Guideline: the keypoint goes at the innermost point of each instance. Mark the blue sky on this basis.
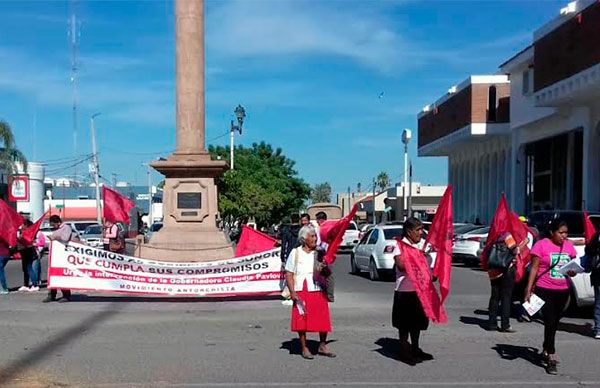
(309, 74)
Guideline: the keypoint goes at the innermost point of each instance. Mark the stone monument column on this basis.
(190, 206)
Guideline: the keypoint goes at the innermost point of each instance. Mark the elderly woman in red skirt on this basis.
(310, 312)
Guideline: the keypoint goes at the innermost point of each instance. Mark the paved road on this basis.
(110, 341)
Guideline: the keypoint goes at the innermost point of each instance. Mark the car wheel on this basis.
(373, 272)
(353, 268)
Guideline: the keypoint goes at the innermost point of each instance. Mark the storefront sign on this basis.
(18, 188)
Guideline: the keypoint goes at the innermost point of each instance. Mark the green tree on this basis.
(383, 180)
(264, 185)
(9, 154)
(321, 193)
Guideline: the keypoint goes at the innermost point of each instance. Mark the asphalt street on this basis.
(117, 341)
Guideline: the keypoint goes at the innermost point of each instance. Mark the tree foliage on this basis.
(9, 154)
(263, 186)
(321, 193)
(383, 180)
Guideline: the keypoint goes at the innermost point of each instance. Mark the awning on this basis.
(72, 213)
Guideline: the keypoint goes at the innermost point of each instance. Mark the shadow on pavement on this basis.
(53, 344)
(161, 299)
(389, 347)
(586, 330)
(482, 323)
(513, 352)
(293, 346)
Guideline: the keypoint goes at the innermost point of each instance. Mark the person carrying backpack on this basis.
(592, 264)
(501, 271)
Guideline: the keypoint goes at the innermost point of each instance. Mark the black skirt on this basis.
(407, 312)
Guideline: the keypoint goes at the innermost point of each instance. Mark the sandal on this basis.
(308, 355)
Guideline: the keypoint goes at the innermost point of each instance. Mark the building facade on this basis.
(542, 147)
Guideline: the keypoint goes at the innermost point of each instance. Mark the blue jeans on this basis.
(596, 309)
(3, 262)
(34, 271)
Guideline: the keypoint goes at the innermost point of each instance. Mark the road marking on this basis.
(561, 383)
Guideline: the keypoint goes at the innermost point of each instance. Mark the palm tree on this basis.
(10, 156)
(383, 180)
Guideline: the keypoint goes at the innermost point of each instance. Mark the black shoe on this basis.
(49, 299)
(551, 368)
(420, 354)
(406, 356)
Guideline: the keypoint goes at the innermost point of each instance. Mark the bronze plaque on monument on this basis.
(189, 200)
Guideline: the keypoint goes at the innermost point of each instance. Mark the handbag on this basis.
(285, 293)
(116, 244)
(324, 277)
(500, 256)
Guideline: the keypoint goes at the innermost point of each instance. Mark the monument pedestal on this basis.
(189, 231)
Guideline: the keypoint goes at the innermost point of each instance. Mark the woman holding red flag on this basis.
(547, 257)
(310, 312)
(408, 315)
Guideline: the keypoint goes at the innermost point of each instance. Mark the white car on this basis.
(466, 246)
(374, 252)
(350, 237)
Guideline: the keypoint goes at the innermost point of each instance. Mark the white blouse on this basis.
(303, 269)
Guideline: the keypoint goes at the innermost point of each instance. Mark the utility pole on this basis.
(410, 190)
(349, 205)
(149, 195)
(96, 168)
(374, 216)
(406, 136)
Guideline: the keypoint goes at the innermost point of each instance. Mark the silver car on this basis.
(92, 236)
(374, 252)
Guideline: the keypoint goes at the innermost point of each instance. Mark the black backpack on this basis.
(499, 256)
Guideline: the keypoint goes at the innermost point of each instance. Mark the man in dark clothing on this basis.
(289, 236)
(592, 250)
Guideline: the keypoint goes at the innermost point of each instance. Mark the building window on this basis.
(526, 82)
(492, 104)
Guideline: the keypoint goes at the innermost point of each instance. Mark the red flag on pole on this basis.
(507, 221)
(499, 225)
(588, 228)
(253, 241)
(10, 221)
(417, 270)
(116, 206)
(440, 238)
(332, 233)
(28, 234)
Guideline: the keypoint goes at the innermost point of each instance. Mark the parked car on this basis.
(155, 227)
(464, 228)
(92, 236)
(466, 245)
(581, 288)
(80, 226)
(350, 237)
(374, 252)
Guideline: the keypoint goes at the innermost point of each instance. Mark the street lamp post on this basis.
(240, 113)
(96, 167)
(406, 136)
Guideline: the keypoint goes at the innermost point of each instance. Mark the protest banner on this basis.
(80, 267)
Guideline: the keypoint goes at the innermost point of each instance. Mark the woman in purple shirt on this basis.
(547, 257)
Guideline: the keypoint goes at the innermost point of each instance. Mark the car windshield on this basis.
(392, 233)
(574, 220)
(480, 230)
(81, 226)
(93, 229)
(156, 227)
(460, 229)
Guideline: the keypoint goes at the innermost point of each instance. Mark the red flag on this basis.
(253, 241)
(10, 221)
(588, 228)
(116, 206)
(440, 238)
(417, 270)
(28, 234)
(507, 221)
(520, 231)
(332, 233)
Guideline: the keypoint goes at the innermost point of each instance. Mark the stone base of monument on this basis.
(190, 210)
(183, 244)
